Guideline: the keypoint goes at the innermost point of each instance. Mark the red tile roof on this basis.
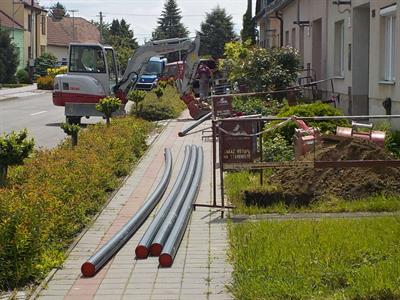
(7, 21)
(59, 33)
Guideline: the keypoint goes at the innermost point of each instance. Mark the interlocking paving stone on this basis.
(200, 270)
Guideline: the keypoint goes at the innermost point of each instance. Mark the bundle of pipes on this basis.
(99, 259)
(166, 231)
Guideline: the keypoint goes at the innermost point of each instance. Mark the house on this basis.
(16, 32)
(32, 17)
(67, 30)
(354, 42)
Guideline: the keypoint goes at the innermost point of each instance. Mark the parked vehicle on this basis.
(174, 70)
(153, 71)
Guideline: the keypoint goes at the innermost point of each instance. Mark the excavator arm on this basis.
(137, 63)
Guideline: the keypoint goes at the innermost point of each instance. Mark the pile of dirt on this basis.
(303, 185)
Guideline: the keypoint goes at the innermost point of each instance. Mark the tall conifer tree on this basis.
(216, 30)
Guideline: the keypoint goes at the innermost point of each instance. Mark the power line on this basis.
(159, 15)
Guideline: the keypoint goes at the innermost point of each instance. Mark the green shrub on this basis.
(309, 110)
(13, 85)
(45, 82)
(23, 76)
(159, 91)
(71, 130)
(392, 142)
(260, 69)
(108, 106)
(14, 148)
(154, 109)
(277, 149)
(44, 62)
(253, 105)
(50, 199)
(162, 84)
(136, 96)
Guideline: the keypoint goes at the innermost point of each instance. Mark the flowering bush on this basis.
(50, 199)
(260, 69)
(45, 82)
(56, 71)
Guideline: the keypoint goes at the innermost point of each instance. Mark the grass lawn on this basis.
(325, 259)
(237, 183)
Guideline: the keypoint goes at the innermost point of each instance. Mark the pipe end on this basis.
(165, 260)
(141, 252)
(181, 134)
(88, 269)
(155, 249)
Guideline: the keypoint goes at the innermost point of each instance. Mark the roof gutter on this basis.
(279, 17)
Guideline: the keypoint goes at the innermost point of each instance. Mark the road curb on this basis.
(310, 216)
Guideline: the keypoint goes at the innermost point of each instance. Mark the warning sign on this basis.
(222, 106)
(238, 142)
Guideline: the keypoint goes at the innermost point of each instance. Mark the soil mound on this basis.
(303, 185)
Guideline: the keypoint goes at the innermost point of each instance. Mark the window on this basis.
(29, 23)
(293, 38)
(112, 68)
(339, 48)
(388, 15)
(29, 52)
(87, 59)
(287, 38)
(43, 25)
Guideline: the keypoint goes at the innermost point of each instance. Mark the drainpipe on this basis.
(279, 17)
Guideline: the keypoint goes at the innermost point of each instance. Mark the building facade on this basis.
(16, 32)
(355, 42)
(32, 17)
(67, 30)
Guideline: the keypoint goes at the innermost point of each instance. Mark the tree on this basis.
(8, 58)
(170, 26)
(249, 26)
(108, 106)
(216, 30)
(44, 62)
(58, 11)
(136, 96)
(14, 148)
(119, 35)
(72, 130)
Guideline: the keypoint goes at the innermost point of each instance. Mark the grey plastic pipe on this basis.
(172, 244)
(100, 258)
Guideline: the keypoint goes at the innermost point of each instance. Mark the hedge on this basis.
(169, 106)
(50, 199)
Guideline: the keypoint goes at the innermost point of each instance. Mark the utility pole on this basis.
(101, 26)
(31, 60)
(73, 11)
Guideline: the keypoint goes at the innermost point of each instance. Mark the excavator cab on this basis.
(96, 61)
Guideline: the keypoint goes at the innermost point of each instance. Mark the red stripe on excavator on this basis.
(60, 98)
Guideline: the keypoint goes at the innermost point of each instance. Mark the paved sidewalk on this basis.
(25, 91)
(200, 269)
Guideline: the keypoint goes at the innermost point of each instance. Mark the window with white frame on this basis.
(339, 48)
(388, 15)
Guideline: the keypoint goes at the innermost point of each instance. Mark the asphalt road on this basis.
(38, 114)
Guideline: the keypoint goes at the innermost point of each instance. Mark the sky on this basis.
(142, 15)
